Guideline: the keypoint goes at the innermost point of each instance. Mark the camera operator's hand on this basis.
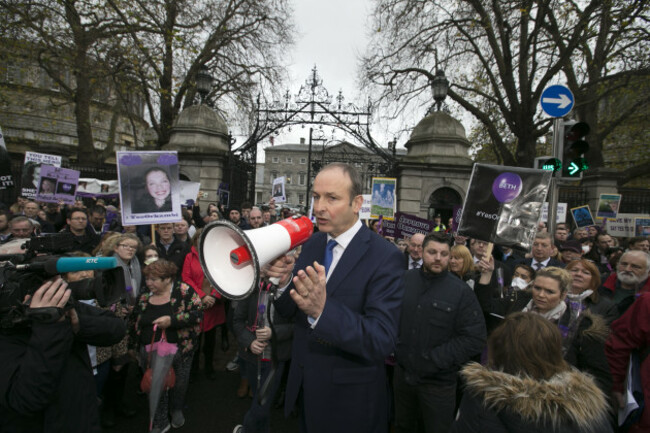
(163, 322)
(53, 293)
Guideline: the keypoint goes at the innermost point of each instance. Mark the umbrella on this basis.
(161, 356)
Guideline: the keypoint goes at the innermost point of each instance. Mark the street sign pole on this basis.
(553, 193)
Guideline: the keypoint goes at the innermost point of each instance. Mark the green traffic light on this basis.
(577, 165)
(552, 164)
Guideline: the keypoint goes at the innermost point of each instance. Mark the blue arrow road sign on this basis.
(557, 100)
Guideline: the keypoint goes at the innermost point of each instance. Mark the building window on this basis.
(274, 174)
(275, 159)
(13, 73)
(302, 178)
(288, 178)
(301, 198)
(303, 160)
(288, 160)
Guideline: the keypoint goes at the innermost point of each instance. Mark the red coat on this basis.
(610, 284)
(631, 331)
(193, 275)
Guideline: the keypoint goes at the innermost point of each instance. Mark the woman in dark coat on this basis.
(583, 333)
(528, 387)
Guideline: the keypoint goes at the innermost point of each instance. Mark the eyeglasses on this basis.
(79, 219)
(128, 247)
(152, 279)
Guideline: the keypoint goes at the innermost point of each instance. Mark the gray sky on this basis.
(331, 36)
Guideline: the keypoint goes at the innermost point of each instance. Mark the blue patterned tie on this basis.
(328, 254)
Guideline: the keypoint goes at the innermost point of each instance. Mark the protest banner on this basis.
(504, 205)
(407, 225)
(582, 216)
(623, 226)
(57, 184)
(364, 213)
(278, 192)
(149, 187)
(6, 177)
(384, 201)
(95, 188)
(31, 176)
(560, 214)
(608, 205)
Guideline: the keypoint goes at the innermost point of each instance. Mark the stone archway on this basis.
(442, 202)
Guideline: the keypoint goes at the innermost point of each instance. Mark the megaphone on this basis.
(231, 258)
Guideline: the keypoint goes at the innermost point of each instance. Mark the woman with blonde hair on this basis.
(583, 333)
(462, 265)
(528, 386)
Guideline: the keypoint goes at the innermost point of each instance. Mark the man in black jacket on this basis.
(441, 328)
(85, 238)
(47, 382)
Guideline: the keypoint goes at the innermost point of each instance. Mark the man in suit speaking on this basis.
(345, 297)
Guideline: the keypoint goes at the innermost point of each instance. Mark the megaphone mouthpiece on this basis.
(231, 258)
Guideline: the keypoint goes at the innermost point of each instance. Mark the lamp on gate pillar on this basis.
(440, 87)
(203, 82)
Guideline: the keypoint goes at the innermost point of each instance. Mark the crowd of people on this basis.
(433, 333)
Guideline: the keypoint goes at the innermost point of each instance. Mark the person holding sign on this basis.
(157, 195)
(583, 333)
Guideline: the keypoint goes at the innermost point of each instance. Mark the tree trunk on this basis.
(86, 153)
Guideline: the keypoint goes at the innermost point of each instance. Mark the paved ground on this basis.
(211, 407)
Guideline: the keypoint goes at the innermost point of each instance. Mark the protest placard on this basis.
(278, 192)
(364, 213)
(608, 205)
(642, 226)
(149, 187)
(407, 225)
(57, 184)
(31, 176)
(560, 214)
(189, 192)
(384, 201)
(504, 205)
(582, 216)
(6, 177)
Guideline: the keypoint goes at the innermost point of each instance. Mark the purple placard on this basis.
(57, 184)
(388, 228)
(458, 211)
(408, 225)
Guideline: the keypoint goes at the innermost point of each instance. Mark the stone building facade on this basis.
(36, 114)
(291, 161)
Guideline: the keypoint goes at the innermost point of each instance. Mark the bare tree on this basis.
(501, 55)
(68, 35)
(239, 41)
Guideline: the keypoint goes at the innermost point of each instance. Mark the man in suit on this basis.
(345, 297)
(542, 250)
(414, 254)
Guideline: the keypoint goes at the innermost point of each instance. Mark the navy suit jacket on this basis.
(552, 262)
(339, 365)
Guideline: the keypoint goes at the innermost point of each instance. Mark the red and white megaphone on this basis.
(231, 258)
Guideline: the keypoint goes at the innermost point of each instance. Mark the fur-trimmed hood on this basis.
(567, 398)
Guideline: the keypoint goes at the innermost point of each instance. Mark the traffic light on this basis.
(573, 147)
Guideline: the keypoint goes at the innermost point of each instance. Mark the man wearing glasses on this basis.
(85, 238)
